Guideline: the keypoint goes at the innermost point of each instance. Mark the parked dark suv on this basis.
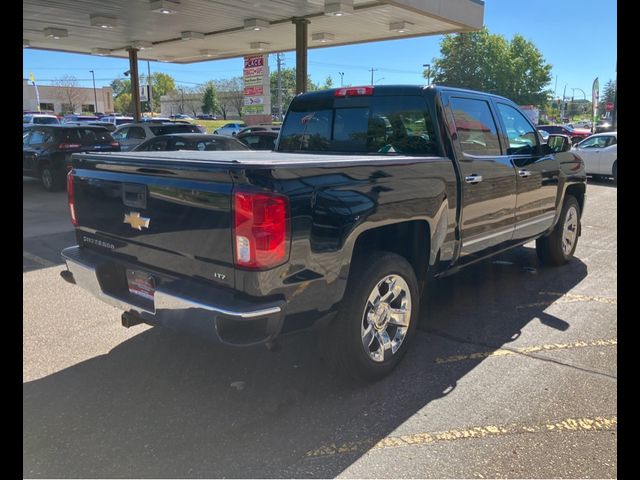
(47, 149)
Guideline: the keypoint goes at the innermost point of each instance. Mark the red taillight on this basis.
(261, 229)
(71, 199)
(115, 144)
(354, 92)
(68, 146)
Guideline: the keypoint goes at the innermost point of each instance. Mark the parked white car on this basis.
(600, 154)
(229, 129)
(39, 119)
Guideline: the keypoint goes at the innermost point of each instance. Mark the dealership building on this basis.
(67, 99)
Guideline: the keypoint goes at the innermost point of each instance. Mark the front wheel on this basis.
(615, 172)
(558, 248)
(377, 319)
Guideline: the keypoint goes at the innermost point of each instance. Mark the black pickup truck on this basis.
(370, 192)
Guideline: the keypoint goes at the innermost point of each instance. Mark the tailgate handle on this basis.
(134, 195)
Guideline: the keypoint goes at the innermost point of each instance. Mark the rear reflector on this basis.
(261, 229)
(354, 92)
(71, 200)
(115, 144)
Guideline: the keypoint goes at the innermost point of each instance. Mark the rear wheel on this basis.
(377, 319)
(557, 248)
(50, 178)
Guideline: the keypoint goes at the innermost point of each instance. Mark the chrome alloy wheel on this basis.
(386, 318)
(570, 230)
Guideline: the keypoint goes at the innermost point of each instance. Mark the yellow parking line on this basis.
(570, 298)
(417, 439)
(39, 260)
(525, 350)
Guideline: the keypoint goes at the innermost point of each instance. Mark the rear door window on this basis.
(475, 127)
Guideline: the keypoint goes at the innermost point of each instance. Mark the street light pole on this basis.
(428, 65)
(341, 78)
(95, 96)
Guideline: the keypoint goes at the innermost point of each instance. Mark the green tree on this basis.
(288, 87)
(328, 83)
(123, 103)
(482, 61)
(162, 84)
(210, 102)
(607, 95)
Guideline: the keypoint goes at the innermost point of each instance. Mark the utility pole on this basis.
(341, 78)
(95, 96)
(372, 70)
(279, 61)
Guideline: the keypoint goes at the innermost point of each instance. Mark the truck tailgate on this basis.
(171, 217)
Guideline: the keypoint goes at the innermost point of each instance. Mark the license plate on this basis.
(140, 284)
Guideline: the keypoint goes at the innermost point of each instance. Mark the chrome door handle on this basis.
(473, 178)
(524, 173)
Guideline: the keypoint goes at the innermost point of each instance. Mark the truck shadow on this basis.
(169, 405)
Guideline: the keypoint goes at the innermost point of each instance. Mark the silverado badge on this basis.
(136, 221)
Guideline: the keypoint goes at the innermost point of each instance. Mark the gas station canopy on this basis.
(188, 31)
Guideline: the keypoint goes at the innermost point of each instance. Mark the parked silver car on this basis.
(229, 129)
(132, 134)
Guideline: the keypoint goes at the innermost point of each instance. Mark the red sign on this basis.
(252, 91)
(253, 61)
(250, 72)
(609, 106)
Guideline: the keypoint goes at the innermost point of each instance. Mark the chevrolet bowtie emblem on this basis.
(136, 221)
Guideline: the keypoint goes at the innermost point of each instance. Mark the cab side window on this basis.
(475, 127)
(522, 136)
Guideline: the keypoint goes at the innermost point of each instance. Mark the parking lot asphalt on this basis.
(512, 373)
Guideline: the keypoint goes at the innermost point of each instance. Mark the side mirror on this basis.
(559, 143)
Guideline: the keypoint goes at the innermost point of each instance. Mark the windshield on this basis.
(180, 128)
(389, 125)
(210, 144)
(45, 120)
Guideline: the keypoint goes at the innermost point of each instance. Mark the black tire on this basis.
(615, 172)
(52, 180)
(550, 248)
(341, 341)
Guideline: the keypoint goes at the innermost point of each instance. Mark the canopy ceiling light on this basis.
(260, 46)
(56, 33)
(25, 43)
(164, 6)
(166, 58)
(208, 52)
(338, 8)
(103, 21)
(192, 35)
(400, 27)
(256, 24)
(322, 37)
(100, 51)
(142, 45)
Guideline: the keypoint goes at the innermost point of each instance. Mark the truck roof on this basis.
(383, 90)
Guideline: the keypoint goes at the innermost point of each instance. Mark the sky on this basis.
(577, 37)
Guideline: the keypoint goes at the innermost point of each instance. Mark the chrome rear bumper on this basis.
(181, 304)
